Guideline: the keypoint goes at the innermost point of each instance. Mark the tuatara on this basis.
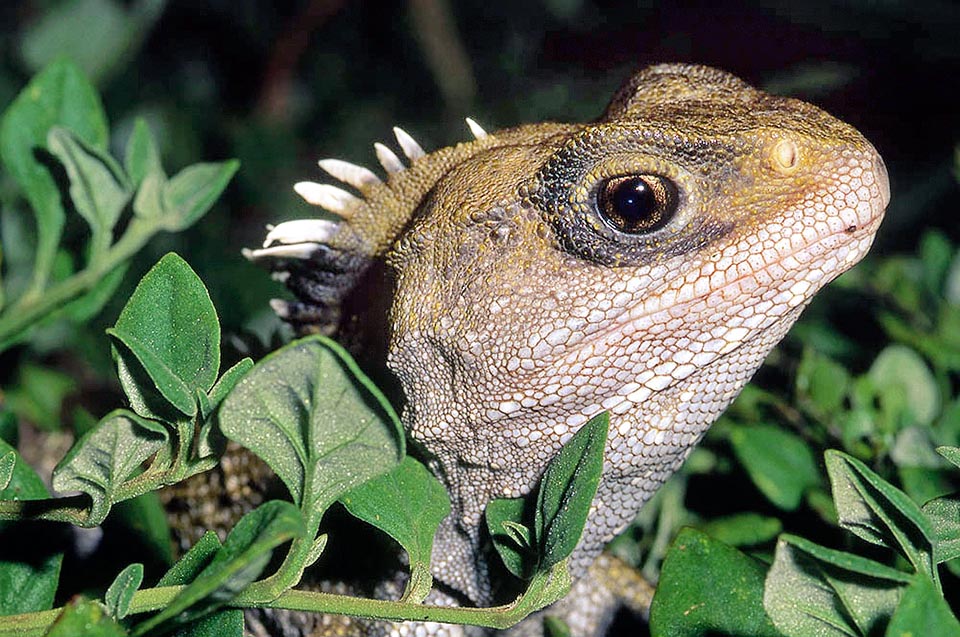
(642, 264)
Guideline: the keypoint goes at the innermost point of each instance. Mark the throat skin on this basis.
(518, 311)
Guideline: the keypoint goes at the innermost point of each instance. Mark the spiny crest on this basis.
(320, 260)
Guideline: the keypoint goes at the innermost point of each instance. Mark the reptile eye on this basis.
(637, 204)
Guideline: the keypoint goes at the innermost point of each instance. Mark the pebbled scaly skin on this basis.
(518, 311)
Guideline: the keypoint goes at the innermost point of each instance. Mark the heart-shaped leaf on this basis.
(407, 504)
(310, 413)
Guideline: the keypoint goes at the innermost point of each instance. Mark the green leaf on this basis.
(899, 373)
(85, 617)
(142, 157)
(169, 327)
(923, 611)
(708, 588)
(407, 504)
(310, 413)
(512, 539)
(241, 559)
(7, 463)
(189, 194)
(743, 529)
(39, 394)
(99, 188)
(566, 492)
(100, 35)
(952, 454)
(935, 255)
(822, 381)
(813, 590)
(29, 570)
(148, 202)
(227, 382)
(210, 440)
(780, 463)
(913, 447)
(59, 95)
(193, 562)
(944, 516)
(106, 457)
(120, 592)
(145, 375)
(878, 512)
(9, 426)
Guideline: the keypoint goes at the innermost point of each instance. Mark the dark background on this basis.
(281, 84)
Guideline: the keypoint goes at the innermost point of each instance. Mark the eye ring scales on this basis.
(637, 204)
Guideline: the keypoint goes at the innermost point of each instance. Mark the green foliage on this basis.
(512, 538)
(120, 593)
(530, 547)
(706, 587)
(878, 512)
(57, 123)
(233, 566)
(59, 96)
(107, 458)
(566, 491)
(85, 617)
(780, 463)
(407, 504)
(172, 348)
(28, 582)
(326, 430)
(923, 611)
(813, 590)
(301, 410)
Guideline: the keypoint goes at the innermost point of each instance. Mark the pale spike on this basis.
(326, 196)
(302, 231)
(388, 159)
(352, 174)
(283, 251)
(409, 145)
(476, 129)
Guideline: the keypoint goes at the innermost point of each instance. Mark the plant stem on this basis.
(544, 589)
(30, 308)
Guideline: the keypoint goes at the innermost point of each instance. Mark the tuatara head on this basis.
(642, 264)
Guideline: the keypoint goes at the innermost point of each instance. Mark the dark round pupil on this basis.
(637, 204)
(634, 200)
